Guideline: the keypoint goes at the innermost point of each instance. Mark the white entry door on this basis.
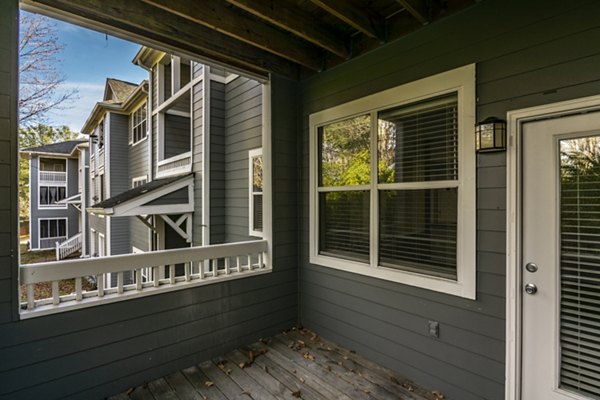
(561, 258)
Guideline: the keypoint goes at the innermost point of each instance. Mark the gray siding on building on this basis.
(120, 242)
(138, 166)
(217, 163)
(179, 196)
(99, 351)
(197, 155)
(119, 153)
(243, 132)
(177, 135)
(537, 56)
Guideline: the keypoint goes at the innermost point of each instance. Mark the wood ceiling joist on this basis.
(215, 14)
(294, 20)
(417, 9)
(352, 16)
(145, 21)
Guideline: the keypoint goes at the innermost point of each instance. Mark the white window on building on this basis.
(139, 181)
(52, 231)
(255, 184)
(393, 184)
(49, 195)
(138, 124)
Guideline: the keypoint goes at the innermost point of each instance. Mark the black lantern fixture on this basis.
(490, 135)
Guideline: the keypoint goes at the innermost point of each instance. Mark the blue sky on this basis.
(89, 57)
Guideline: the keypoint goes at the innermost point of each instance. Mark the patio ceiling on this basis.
(295, 38)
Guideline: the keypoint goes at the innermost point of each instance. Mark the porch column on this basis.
(9, 232)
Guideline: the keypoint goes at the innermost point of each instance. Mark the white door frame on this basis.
(515, 120)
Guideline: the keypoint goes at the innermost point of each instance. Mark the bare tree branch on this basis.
(40, 79)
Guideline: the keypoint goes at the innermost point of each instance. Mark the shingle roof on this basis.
(138, 191)
(120, 89)
(65, 148)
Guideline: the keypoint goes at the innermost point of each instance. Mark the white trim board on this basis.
(515, 120)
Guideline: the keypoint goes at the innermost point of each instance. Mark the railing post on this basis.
(57, 251)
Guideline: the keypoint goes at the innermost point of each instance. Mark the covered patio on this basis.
(295, 364)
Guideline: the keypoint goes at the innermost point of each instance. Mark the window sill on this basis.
(453, 287)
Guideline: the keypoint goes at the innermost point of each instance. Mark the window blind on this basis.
(580, 267)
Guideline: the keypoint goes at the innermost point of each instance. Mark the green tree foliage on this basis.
(33, 136)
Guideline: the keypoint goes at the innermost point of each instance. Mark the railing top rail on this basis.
(51, 271)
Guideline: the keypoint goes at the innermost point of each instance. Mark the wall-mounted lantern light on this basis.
(490, 135)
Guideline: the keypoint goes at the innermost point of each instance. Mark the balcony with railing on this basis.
(52, 177)
(201, 266)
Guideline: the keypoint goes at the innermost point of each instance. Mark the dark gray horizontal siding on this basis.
(96, 223)
(119, 236)
(243, 132)
(217, 163)
(119, 154)
(138, 160)
(197, 154)
(139, 234)
(179, 196)
(539, 55)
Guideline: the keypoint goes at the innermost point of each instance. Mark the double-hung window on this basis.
(138, 124)
(393, 184)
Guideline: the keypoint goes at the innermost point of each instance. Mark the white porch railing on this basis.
(178, 164)
(52, 177)
(69, 246)
(202, 265)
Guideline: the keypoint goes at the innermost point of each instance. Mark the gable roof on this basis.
(117, 91)
(132, 201)
(65, 148)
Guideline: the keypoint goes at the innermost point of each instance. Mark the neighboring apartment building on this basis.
(57, 179)
(175, 161)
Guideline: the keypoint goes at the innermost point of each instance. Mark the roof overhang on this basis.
(143, 201)
(146, 57)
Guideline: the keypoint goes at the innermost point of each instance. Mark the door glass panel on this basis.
(580, 265)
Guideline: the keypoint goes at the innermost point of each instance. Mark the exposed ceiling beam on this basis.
(351, 15)
(215, 14)
(157, 26)
(416, 8)
(291, 18)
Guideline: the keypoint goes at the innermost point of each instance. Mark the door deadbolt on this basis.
(531, 288)
(531, 267)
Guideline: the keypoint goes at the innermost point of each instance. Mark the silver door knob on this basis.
(531, 288)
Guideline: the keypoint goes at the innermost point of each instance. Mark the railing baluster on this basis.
(172, 273)
(30, 296)
(237, 263)
(100, 284)
(202, 266)
(187, 267)
(55, 293)
(138, 279)
(120, 282)
(260, 260)
(78, 289)
(250, 262)
(215, 266)
(227, 266)
(156, 276)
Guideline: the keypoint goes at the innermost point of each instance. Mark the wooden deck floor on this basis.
(297, 364)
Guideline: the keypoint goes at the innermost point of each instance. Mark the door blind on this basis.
(580, 266)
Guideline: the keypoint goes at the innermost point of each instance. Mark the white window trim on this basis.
(251, 155)
(39, 232)
(461, 81)
(39, 185)
(137, 179)
(132, 141)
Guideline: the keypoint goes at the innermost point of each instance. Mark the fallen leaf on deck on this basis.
(302, 380)
(438, 395)
(308, 356)
(242, 365)
(266, 369)
(297, 393)
(221, 364)
(301, 343)
(394, 380)
(209, 383)
(128, 392)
